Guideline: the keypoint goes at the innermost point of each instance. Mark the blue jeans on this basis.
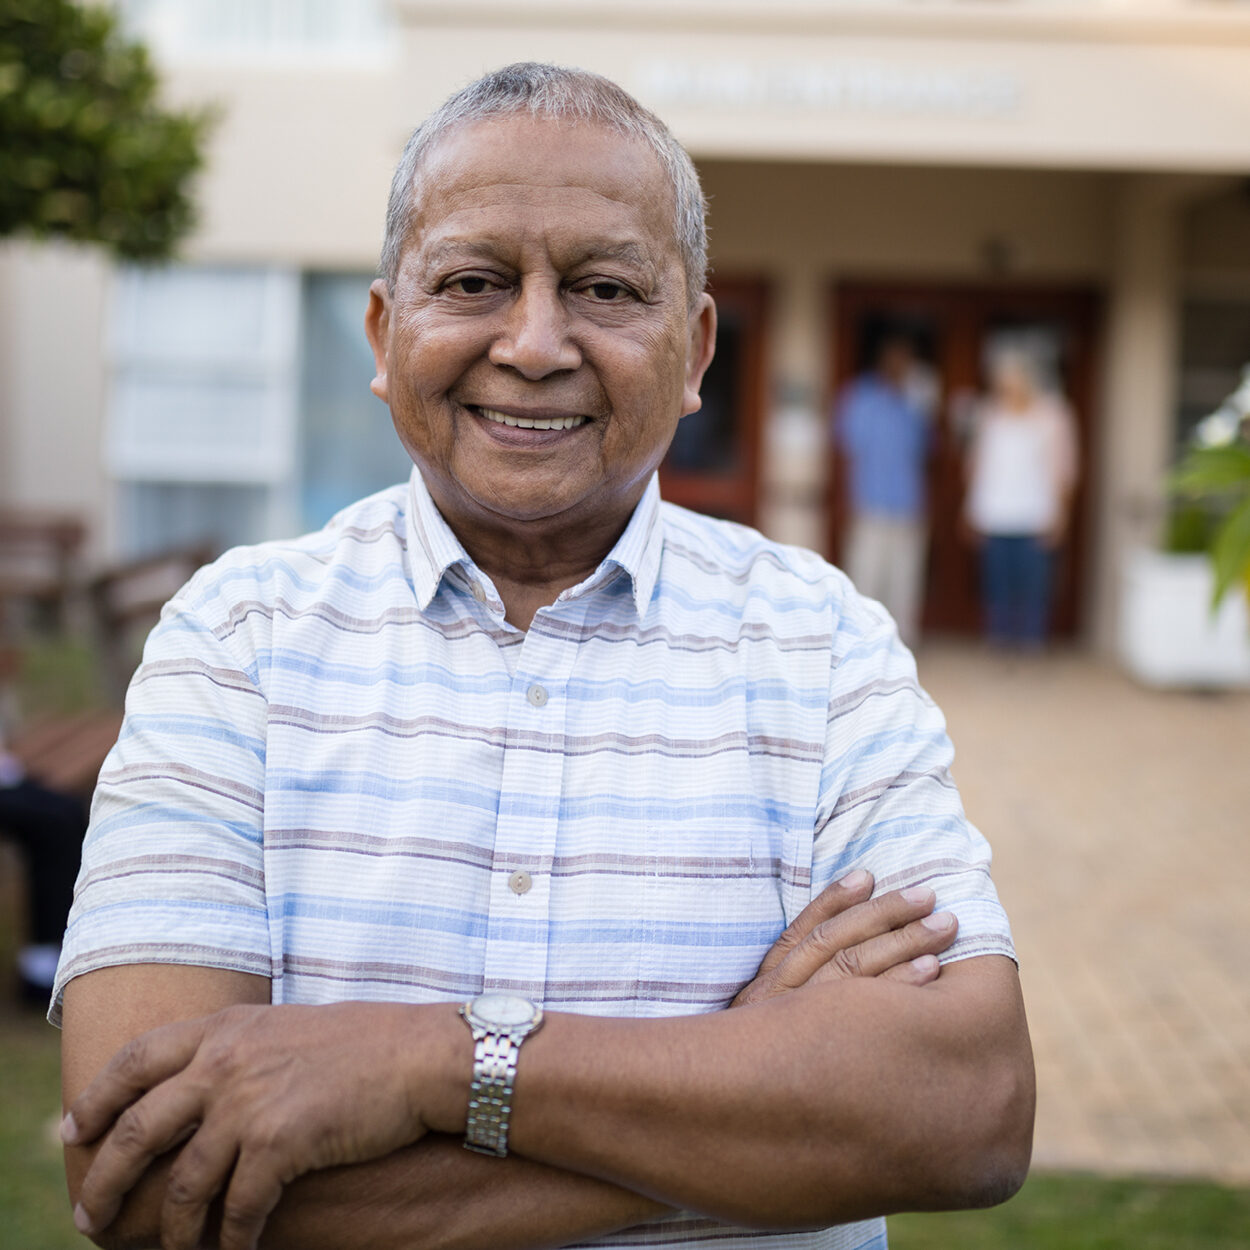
(1015, 588)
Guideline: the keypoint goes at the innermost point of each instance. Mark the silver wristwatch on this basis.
(500, 1023)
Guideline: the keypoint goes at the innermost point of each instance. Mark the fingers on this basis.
(919, 971)
(147, 1128)
(254, 1191)
(844, 933)
(854, 888)
(139, 1066)
(857, 942)
(895, 951)
(198, 1175)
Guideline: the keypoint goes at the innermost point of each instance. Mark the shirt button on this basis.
(537, 695)
(479, 592)
(520, 882)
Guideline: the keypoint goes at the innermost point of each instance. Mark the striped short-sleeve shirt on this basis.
(342, 769)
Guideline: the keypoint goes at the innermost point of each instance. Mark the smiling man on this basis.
(537, 345)
(518, 810)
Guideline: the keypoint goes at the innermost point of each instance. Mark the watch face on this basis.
(505, 1010)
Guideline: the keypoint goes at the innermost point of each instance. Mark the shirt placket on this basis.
(519, 923)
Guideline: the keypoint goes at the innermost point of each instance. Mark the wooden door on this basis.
(954, 329)
(713, 463)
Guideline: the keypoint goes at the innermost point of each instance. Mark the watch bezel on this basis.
(480, 1017)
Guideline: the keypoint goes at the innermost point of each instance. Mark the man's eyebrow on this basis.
(454, 249)
(627, 251)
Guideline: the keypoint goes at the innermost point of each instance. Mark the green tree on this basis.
(85, 150)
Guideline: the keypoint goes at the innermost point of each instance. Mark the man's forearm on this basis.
(860, 1102)
(432, 1196)
(438, 1196)
(834, 1103)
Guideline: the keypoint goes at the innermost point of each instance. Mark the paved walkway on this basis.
(1120, 820)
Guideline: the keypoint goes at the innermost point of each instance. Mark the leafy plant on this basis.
(1215, 473)
(88, 154)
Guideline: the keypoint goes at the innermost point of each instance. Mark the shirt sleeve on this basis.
(888, 802)
(172, 868)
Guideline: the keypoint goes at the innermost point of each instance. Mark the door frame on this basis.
(735, 495)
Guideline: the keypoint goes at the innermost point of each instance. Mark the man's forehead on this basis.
(583, 185)
(509, 135)
(522, 156)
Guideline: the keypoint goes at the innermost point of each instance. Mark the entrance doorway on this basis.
(713, 463)
(955, 331)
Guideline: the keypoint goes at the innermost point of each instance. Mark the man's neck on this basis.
(533, 562)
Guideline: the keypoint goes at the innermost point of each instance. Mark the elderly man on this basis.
(518, 810)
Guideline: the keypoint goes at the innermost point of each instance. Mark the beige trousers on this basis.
(885, 558)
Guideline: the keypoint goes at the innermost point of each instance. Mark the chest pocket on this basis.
(714, 901)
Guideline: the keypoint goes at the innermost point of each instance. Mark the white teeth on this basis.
(531, 423)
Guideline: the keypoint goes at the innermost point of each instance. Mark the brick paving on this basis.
(1120, 820)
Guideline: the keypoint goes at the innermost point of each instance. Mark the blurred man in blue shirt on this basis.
(883, 427)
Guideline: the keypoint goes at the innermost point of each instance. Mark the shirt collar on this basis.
(433, 548)
(639, 548)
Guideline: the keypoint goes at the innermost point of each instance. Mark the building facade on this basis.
(1074, 177)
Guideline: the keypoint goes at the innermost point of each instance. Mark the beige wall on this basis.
(301, 159)
(52, 378)
(891, 220)
(1000, 84)
(298, 166)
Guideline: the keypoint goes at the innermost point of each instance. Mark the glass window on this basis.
(349, 448)
(1215, 348)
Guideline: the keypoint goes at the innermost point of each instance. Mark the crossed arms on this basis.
(850, 1079)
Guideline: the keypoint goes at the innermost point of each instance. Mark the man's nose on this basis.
(536, 340)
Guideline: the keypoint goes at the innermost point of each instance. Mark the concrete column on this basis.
(1142, 361)
(794, 459)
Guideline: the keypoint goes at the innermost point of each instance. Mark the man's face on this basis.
(538, 350)
(896, 361)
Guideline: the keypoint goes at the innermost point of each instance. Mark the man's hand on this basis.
(261, 1095)
(844, 932)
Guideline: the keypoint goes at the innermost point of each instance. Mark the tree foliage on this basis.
(85, 150)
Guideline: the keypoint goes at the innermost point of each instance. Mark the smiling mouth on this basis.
(530, 423)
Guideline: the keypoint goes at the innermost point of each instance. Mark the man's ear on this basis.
(700, 349)
(378, 332)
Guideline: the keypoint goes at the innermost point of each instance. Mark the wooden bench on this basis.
(65, 751)
(125, 602)
(39, 550)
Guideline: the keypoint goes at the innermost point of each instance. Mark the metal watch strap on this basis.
(490, 1094)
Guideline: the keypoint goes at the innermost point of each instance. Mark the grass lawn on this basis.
(1050, 1213)
(34, 1211)
(1065, 1212)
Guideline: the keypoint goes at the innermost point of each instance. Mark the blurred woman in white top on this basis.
(1022, 468)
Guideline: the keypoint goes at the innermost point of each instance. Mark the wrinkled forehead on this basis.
(531, 154)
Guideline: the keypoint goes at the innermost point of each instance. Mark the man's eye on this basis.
(469, 285)
(607, 292)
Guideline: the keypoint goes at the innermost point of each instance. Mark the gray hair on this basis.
(553, 91)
